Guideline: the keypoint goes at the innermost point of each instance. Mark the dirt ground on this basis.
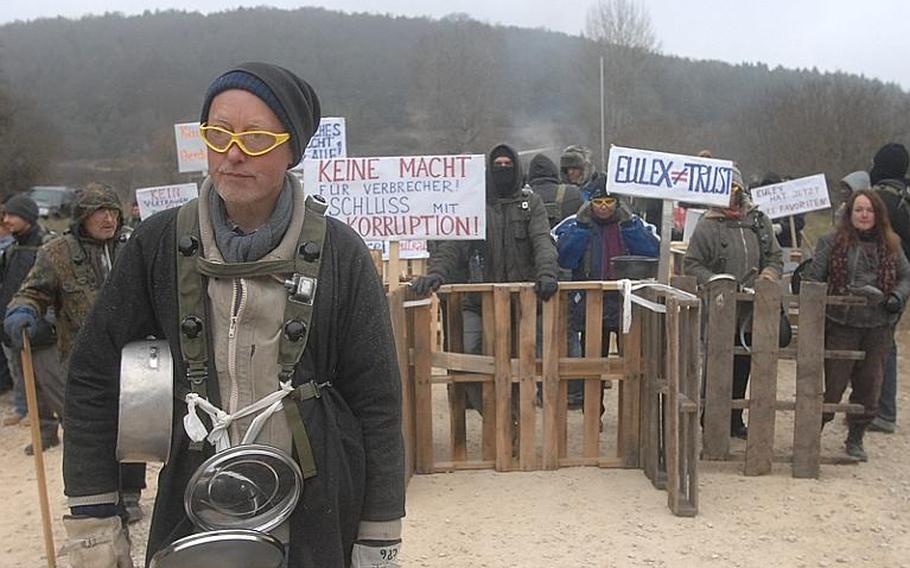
(853, 515)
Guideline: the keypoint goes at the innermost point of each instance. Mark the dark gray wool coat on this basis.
(354, 428)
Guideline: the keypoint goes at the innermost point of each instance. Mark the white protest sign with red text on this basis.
(191, 152)
(404, 198)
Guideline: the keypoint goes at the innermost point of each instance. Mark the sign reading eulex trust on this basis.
(658, 175)
(154, 199)
(404, 198)
(792, 197)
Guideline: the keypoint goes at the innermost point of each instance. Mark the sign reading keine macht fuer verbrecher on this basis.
(404, 198)
(658, 175)
(792, 197)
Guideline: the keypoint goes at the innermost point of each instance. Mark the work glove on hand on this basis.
(376, 554)
(872, 294)
(423, 285)
(893, 303)
(545, 287)
(17, 319)
(97, 543)
(769, 274)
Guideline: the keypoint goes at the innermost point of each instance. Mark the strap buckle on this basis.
(302, 288)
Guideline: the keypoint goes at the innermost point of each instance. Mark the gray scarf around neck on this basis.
(234, 245)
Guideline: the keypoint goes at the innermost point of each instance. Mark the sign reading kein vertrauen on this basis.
(658, 175)
(404, 198)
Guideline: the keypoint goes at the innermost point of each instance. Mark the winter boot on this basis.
(854, 442)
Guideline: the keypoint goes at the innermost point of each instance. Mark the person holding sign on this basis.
(736, 240)
(260, 298)
(862, 256)
(517, 248)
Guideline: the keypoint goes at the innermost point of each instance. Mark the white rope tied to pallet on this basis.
(264, 408)
(629, 298)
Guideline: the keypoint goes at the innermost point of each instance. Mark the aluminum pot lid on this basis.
(235, 548)
(719, 277)
(251, 486)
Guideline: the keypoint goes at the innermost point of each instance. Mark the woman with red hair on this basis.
(862, 256)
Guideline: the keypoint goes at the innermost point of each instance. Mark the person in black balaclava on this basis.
(889, 181)
(560, 199)
(517, 247)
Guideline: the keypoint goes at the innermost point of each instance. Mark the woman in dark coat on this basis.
(862, 256)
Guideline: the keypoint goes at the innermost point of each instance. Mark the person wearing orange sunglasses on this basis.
(289, 303)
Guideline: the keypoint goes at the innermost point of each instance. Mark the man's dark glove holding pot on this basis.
(423, 285)
(545, 287)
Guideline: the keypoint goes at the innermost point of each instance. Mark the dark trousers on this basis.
(887, 404)
(864, 377)
(742, 367)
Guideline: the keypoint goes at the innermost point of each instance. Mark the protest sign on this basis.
(154, 199)
(329, 141)
(792, 197)
(408, 250)
(658, 175)
(191, 152)
(404, 198)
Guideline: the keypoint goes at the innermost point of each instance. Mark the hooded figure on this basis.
(238, 243)
(736, 240)
(517, 246)
(560, 199)
(888, 179)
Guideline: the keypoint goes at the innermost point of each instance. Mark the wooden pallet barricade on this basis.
(807, 348)
(655, 377)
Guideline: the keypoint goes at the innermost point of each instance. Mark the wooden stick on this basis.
(31, 392)
(793, 243)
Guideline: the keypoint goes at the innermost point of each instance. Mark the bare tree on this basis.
(456, 78)
(625, 24)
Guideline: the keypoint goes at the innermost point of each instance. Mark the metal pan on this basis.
(251, 486)
(233, 548)
(146, 402)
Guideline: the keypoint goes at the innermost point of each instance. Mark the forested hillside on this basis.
(107, 90)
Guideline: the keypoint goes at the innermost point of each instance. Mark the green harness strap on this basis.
(298, 312)
(194, 345)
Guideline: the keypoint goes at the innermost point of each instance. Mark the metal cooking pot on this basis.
(251, 486)
(233, 548)
(634, 267)
(146, 402)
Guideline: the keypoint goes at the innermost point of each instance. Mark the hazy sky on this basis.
(870, 37)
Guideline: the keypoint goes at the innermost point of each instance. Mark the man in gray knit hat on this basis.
(258, 294)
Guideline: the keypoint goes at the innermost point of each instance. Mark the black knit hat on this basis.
(890, 162)
(291, 98)
(23, 206)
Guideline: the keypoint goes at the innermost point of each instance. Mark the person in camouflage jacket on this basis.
(69, 271)
(67, 276)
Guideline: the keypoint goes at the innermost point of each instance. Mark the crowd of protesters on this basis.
(556, 223)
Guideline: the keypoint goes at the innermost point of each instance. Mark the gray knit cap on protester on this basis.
(23, 206)
(291, 98)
